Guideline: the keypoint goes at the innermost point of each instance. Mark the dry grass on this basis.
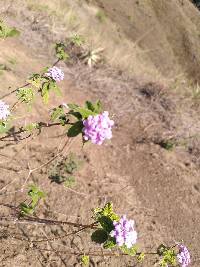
(75, 16)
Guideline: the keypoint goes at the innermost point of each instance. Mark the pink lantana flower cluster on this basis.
(55, 73)
(183, 256)
(124, 232)
(97, 128)
(4, 110)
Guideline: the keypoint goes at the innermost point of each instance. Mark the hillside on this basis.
(147, 80)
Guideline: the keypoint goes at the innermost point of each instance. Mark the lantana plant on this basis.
(111, 231)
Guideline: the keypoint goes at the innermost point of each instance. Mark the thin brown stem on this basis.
(22, 130)
(13, 91)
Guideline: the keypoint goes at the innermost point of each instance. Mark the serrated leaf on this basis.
(130, 251)
(99, 236)
(84, 259)
(35, 191)
(57, 113)
(75, 129)
(107, 210)
(35, 80)
(31, 126)
(25, 94)
(25, 209)
(110, 243)
(72, 106)
(85, 113)
(94, 107)
(89, 105)
(106, 223)
(75, 114)
(45, 92)
(60, 51)
(35, 194)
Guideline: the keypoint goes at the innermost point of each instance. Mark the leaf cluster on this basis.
(60, 51)
(168, 256)
(81, 113)
(77, 40)
(58, 114)
(26, 95)
(105, 217)
(44, 85)
(84, 260)
(65, 169)
(6, 31)
(35, 195)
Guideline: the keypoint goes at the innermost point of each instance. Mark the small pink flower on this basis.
(97, 128)
(55, 73)
(124, 232)
(183, 256)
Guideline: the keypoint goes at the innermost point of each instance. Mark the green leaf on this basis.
(161, 249)
(77, 39)
(35, 195)
(36, 80)
(108, 208)
(76, 129)
(99, 236)
(25, 209)
(75, 114)
(97, 106)
(84, 259)
(57, 113)
(130, 251)
(72, 106)
(110, 243)
(106, 211)
(167, 144)
(6, 31)
(45, 92)
(55, 88)
(25, 95)
(140, 257)
(13, 32)
(168, 255)
(85, 112)
(70, 182)
(89, 105)
(4, 127)
(35, 191)
(60, 51)
(106, 223)
(94, 107)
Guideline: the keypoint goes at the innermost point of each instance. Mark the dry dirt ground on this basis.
(158, 188)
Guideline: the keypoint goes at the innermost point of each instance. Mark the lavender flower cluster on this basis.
(124, 232)
(97, 128)
(55, 73)
(4, 110)
(183, 256)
